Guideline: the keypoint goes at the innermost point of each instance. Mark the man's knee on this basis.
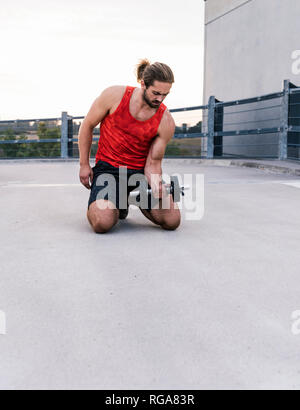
(102, 221)
(171, 224)
(101, 227)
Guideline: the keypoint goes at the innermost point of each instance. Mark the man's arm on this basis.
(153, 167)
(96, 114)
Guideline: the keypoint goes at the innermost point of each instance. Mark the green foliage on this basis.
(191, 130)
(31, 150)
(196, 129)
(183, 147)
(48, 149)
(8, 150)
(172, 149)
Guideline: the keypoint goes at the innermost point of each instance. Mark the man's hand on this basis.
(155, 182)
(157, 186)
(153, 167)
(86, 175)
(157, 191)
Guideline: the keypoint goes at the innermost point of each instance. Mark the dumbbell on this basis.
(174, 189)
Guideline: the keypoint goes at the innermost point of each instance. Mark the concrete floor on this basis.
(205, 307)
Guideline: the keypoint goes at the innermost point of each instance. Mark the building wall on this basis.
(248, 52)
(248, 47)
(217, 8)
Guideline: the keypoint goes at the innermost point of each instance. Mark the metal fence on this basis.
(261, 127)
(293, 135)
(34, 138)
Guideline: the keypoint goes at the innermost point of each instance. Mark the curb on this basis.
(289, 168)
(277, 169)
(35, 160)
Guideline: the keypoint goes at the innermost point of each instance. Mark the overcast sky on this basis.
(59, 55)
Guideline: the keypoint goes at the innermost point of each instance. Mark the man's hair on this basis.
(153, 72)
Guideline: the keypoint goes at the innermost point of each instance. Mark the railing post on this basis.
(211, 127)
(70, 136)
(219, 126)
(284, 122)
(64, 135)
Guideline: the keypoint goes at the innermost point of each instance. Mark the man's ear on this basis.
(143, 85)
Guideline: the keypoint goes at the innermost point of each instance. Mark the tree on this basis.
(48, 149)
(8, 150)
(34, 149)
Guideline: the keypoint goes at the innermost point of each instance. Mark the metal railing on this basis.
(261, 127)
(293, 134)
(186, 142)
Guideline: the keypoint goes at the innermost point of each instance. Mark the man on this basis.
(136, 128)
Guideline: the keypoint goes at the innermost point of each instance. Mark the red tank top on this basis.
(124, 140)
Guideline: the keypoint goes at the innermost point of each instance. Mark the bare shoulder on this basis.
(105, 104)
(168, 119)
(113, 94)
(108, 100)
(167, 126)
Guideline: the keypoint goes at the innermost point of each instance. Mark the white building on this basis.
(250, 47)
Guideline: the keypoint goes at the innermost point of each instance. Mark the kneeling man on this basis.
(136, 128)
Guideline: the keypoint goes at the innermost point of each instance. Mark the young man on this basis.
(135, 130)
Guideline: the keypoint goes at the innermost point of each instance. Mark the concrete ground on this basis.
(208, 306)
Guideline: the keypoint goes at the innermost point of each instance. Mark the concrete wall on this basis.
(249, 46)
(248, 53)
(217, 8)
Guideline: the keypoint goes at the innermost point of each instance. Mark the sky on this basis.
(60, 55)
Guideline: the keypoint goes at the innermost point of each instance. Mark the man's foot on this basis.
(123, 213)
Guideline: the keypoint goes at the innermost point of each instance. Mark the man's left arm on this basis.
(153, 167)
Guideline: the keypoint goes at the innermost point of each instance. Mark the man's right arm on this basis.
(96, 114)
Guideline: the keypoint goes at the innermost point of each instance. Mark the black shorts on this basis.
(102, 168)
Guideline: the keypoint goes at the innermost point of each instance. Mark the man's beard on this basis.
(150, 103)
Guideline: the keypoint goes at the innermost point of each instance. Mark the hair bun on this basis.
(141, 67)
